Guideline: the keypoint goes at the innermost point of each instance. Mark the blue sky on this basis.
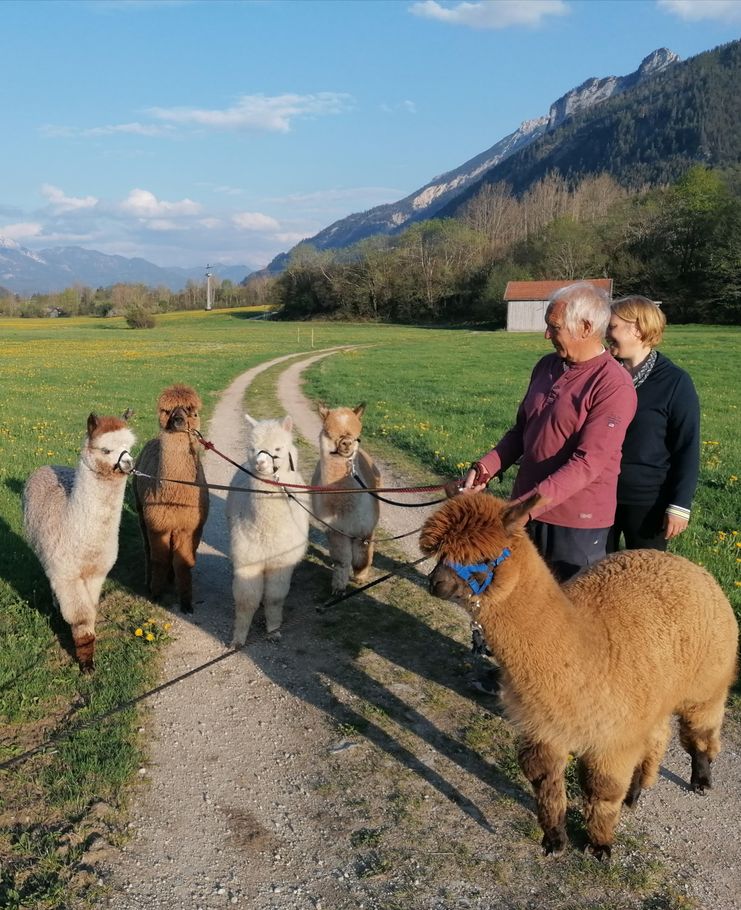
(193, 131)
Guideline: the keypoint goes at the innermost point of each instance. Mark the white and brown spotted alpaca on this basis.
(172, 515)
(71, 520)
(352, 519)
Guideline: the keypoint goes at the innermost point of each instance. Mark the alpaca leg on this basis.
(184, 545)
(147, 552)
(544, 767)
(159, 561)
(646, 772)
(606, 781)
(79, 611)
(699, 733)
(247, 588)
(362, 559)
(340, 548)
(277, 584)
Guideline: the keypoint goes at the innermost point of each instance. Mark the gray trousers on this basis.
(566, 550)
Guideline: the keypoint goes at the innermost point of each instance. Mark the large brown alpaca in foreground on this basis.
(172, 515)
(596, 667)
(351, 518)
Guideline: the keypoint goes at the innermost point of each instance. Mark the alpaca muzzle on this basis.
(346, 446)
(178, 420)
(125, 463)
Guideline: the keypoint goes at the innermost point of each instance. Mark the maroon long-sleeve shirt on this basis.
(569, 434)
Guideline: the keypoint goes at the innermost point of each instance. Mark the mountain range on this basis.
(25, 271)
(643, 128)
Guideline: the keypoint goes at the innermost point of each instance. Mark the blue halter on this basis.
(465, 573)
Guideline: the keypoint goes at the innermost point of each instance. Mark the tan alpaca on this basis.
(352, 519)
(71, 520)
(172, 515)
(596, 667)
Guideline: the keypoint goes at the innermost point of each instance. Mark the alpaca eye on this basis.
(106, 451)
(278, 449)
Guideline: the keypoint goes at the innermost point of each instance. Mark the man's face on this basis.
(561, 339)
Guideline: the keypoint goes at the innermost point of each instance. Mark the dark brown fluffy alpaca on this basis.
(596, 667)
(172, 515)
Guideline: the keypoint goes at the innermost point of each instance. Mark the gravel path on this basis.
(227, 815)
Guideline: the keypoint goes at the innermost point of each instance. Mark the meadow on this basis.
(442, 396)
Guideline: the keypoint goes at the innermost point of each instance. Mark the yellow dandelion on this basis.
(168, 625)
(139, 632)
(738, 542)
(150, 636)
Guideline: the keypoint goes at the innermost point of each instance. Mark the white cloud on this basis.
(408, 106)
(257, 112)
(491, 13)
(62, 203)
(21, 231)
(144, 204)
(694, 10)
(211, 223)
(254, 221)
(135, 129)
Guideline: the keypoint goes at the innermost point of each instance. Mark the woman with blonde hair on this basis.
(661, 451)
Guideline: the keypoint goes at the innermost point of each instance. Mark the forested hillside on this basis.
(679, 244)
(687, 114)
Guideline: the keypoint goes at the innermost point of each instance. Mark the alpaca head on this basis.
(107, 446)
(270, 450)
(341, 430)
(178, 409)
(473, 537)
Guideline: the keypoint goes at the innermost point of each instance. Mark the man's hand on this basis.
(674, 525)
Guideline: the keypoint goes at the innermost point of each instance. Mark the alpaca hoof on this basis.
(85, 653)
(554, 843)
(237, 644)
(601, 852)
(360, 578)
(274, 636)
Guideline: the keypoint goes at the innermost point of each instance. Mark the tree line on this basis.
(679, 244)
(132, 299)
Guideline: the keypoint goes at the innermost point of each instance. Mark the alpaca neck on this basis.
(96, 499)
(178, 457)
(529, 612)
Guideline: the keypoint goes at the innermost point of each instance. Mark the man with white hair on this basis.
(568, 434)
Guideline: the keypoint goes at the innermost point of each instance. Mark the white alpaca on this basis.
(269, 532)
(71, 520)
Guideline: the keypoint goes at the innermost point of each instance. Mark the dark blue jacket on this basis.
(661, 452)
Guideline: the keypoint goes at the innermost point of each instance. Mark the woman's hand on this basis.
(674, 525)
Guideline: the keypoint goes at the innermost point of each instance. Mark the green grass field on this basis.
(443, 397)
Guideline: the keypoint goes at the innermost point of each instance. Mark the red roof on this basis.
(542, 290)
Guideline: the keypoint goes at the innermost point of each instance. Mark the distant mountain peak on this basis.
(442, 190)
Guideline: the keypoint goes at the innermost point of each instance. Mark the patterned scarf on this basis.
(642, 375)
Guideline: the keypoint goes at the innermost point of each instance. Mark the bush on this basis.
(138, 316)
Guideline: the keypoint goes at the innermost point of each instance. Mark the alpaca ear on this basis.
(517, 515)
(92, 423)
(287, 423)
(433, 532)
(250, 420)
(359, 409)
(127, 414)
(323, 411)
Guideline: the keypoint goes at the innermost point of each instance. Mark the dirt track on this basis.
(233, 815)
